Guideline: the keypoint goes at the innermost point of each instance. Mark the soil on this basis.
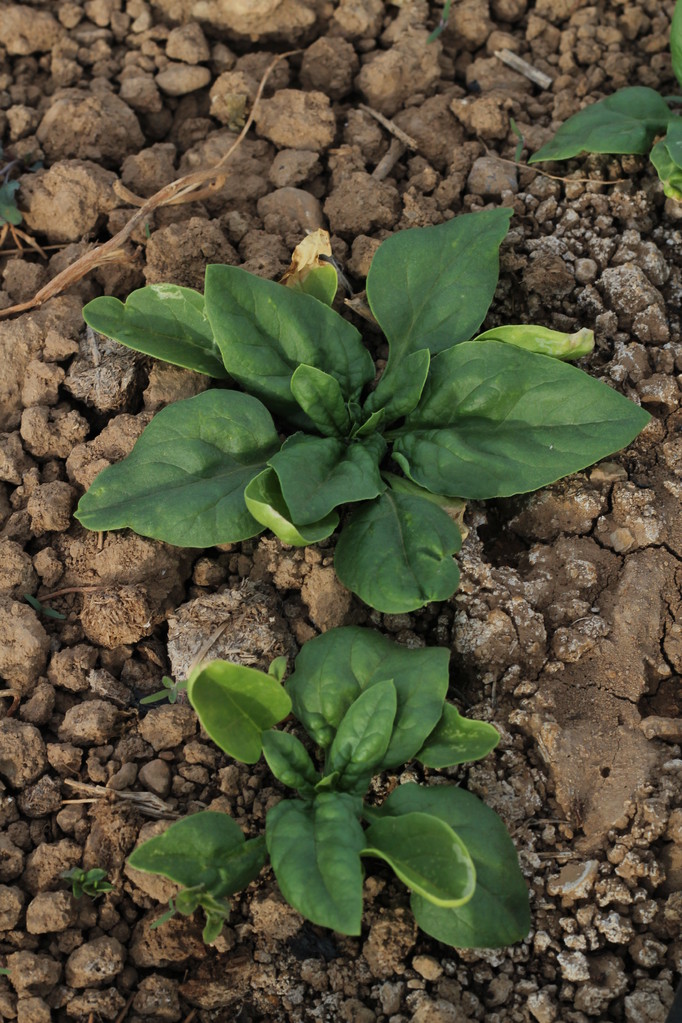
(566, 631)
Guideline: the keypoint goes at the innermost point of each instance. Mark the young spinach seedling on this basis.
(87, 882)
(486, 418)
(369, 706)
(628, 122)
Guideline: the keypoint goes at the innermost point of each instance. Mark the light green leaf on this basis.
(427, 856)
(666, 157)
(205, 848)
(315, 854)
(399, 391)
(430, 287)
(163, 320)
(495, 420)
(317, 474)
(289, 761)
(542, 340)
(184, 480)
(235, 705)
(321, 283)
(457, 740)
(497, 914)
(265, 331)
(396, 553)
(333, 669)
(263, 497)
(626, 122)
(321, 398)
(676, 41)
(363, 737)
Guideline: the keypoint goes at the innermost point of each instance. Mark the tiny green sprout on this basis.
(442, 23)
(519, 147)
(87, 882)
(171, 690)
(4, 971)
(41, 609)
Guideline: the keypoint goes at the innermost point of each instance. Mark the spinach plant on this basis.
(369, 706)
(629, 122)
(447, 420)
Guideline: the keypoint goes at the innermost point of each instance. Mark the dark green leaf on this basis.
(333, 669)
(396, 553)
(430, 287)
(666, 157)
(626, 122)
(498, 913)
(315, 854)
(265, 331)
(457, 740)
(317, 474)
(263, 497)
(321, 398)
(363, 736)
(207, 849)
(235, 705)
(184, 480)
(288, 760)
(163, 320)
(426, 855)
(369, 425)
(495, 420)
(399, 391)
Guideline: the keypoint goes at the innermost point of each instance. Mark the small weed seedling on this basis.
(87, 882)
(488, 418)
(628, 122)
(369, 705)
(171, 690)
(10, 214)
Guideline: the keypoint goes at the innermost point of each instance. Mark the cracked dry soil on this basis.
(566, 631)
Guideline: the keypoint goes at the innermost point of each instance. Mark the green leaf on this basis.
(363, 737)
(430, 287)
(396, 553)
(9, 213)
(184, 480)
(321, 398)
(163, 320)
(265, 331)
(626, 122)
(369, 425)
(321, 283)
(317, 474)
(263, 497)
(235, 705)
(315, 854)
(426, 855)
(289, 761)
(495, 420)
(457, 740)
(542, 340)
(399, 391)
(497, 914)
(676, 41)
(205, 848)
(666, 157)
(333, 669)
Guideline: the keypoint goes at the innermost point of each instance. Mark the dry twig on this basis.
(185, 189)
